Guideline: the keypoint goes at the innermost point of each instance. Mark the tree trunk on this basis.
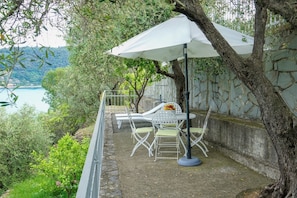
(276, 115)
(140, 94)
(278, 121)
(179, 80)
(137, 104)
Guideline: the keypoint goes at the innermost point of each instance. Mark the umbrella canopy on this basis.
(176, 38)
(165, 42)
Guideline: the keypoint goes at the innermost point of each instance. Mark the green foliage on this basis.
(34, 188)
(20, 134)
(238, 16)
(50, 82)
(12, 97)
(60, 121)
(23, 21)
(211, 66)
(71, 99)
(9, 58)
(63, 164)
(27, 66)
(95, 28)
(140, 72)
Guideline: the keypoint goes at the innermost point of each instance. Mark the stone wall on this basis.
(242, 140)
(281, 70)
(228, 95)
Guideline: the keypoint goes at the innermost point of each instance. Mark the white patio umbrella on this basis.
(176, 38)
(165, 42)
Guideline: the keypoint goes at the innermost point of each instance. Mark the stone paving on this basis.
(110, 183)
(141, 176)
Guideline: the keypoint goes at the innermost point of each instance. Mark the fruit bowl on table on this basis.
(169, 108)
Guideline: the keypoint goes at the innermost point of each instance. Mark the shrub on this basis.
(20, 134)
(60, 121)
(63, 165)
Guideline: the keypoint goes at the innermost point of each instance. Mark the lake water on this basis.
(30, 96)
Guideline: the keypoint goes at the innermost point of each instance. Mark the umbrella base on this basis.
(194, 161)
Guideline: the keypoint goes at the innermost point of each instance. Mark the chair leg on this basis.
(141, 141)
(158, 143)
(152, 148)
(202, 149)
(119, 124)
(178, 140)
(203, 144)
(197, 141)
(183, 144)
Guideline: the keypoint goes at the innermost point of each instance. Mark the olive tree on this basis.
(98, 26)
(276, 115)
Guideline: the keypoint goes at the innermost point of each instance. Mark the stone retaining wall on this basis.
(242, 140)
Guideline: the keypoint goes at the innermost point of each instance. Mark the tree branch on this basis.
(15, 8)
(162, 72)
(260, 25)
(286, 8)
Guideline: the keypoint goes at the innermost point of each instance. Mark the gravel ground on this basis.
(217, 177)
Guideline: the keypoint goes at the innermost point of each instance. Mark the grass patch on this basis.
(34, 188)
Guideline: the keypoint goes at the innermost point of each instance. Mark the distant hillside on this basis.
(37, 63)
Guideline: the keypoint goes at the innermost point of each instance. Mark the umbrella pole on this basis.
(187, 96)
(188, 160)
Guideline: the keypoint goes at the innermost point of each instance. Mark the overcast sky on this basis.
(51, 38)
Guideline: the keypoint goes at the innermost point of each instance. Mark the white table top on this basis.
(179, 116)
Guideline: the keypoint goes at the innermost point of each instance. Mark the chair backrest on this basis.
(162, 118)
(206, 120)
(177, 107)
(131, 122)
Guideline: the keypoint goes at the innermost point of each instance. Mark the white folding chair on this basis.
(197, 134)
(140, 134)
(167, 139)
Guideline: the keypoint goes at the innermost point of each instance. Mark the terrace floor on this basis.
(140, 176)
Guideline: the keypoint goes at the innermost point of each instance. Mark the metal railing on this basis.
(116, 100)
(89, 184)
